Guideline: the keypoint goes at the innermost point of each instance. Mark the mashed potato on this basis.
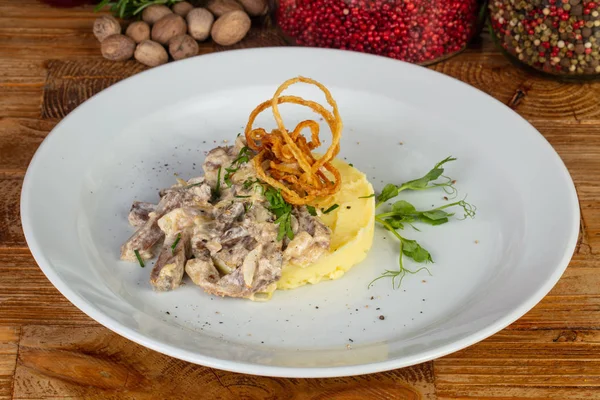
(352, 226)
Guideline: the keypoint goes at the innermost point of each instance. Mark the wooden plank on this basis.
(70, 83)
(94, 363)
(20, 100)
(544, 100)
(28, 297)
(11, 231)
(560, 364)
(19, 139)
(9, 346)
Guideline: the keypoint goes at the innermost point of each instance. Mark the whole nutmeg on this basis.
(255, 8)
(151, 53)
(168, 27)
(183, 46)
(182, 8)
(106, 26)
(230, 28)
(138, 31)
(220, 7)
(200, 21)
(153, 13)
(117, 47)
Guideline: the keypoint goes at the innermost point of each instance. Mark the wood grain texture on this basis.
(93, 363)
(9, 346)
(545, 100)
(70, 83)
(11, 231)
(516, 363)
(28, 297)
(19, 139)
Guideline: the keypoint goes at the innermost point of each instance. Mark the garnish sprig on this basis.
(406, 246)
(404, 213)
(425, 182)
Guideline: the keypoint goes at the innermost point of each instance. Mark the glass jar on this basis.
(556, 37)
(417, 31)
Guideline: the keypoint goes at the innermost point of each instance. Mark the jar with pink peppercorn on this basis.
(418, 31)
(559, 38)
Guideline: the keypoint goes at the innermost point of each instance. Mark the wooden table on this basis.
(50, 62)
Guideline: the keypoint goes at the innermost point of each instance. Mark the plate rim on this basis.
(284, 371)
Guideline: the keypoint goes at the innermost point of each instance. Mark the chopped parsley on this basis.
(242, 158)
(217, 190)
(174, 246)
(283, 212)
(193, 184)
(330, 209)
(139, 258)
(311, 210)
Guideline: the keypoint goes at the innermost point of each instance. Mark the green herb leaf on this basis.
(367, 197)
(174, 245)
(194, 184)
(330, 209)
(242, 158)
(436, 214)
(282, 210)
(129, 8)
(101, 5)
(426, 182)
(413, 250)
(139, 258)
(403, 207)
(395, 223)
(433, 222)
(432, 175)
(311, 210)
(389, 192)
(217, 190)
(402, 270)
(290, 232)
(281, 233)
(248, 183)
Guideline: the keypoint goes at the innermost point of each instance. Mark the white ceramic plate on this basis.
(399, 119)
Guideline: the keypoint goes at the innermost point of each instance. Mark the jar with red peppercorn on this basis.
(417, 31)
(556, 37)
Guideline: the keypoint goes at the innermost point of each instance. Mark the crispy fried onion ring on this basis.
(285, 160)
